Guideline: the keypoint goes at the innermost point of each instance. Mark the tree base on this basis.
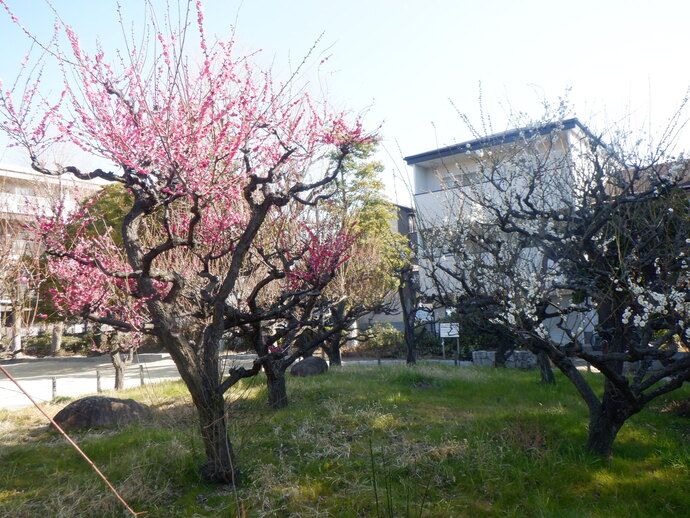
(545, 370)
(212, 473)
(277, 398)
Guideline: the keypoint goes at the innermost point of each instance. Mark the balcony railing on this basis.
(11, 203)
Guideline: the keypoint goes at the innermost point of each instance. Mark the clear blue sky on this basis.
(401, 61)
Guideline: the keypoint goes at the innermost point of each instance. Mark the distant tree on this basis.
(367, 282)
(16, 287)
(408, 295)
(211, 152)
(18, 281)
(297, 254)
(106, 211)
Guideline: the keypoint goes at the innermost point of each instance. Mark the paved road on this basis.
(76, 376)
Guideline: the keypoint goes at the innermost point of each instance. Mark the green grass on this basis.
(387, 441)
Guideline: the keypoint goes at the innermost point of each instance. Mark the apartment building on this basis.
(450, 184)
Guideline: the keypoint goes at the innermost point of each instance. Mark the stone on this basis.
(484, 358)
(517, 359)
(309, 367)
(521, 360)
(100, 412)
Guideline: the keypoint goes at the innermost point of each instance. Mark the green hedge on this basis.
(40, 345)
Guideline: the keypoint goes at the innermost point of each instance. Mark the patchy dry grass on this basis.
(371, 442)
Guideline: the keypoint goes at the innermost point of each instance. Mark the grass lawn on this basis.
(431, 441)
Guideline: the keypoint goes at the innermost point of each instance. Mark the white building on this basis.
(440, 172)
(448, 181)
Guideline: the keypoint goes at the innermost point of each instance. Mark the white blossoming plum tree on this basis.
(573, 245)
(214, 154)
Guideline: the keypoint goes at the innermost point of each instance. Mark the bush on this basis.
(479, 333)
(40, 345)
(382, 341)
(427, 343)
(237, 344)
(37, 345)
(150, 344)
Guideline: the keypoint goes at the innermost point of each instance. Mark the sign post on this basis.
(450, 330)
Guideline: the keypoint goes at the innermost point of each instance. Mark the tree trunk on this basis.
(335, 359)
(336, 340)
(405, 293)
(119, 365)
(56, 342)
(605, 423)
(220, 466)
(16, 340)
(603, 428)
(332, 348)
(275, 379)
(200, 370)
(545, 370)
(602, 433)
(606, 417)
(500, 356)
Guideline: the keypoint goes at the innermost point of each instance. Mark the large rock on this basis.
(100, 412)
(309, 367)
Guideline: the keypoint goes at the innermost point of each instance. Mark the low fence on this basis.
(98, 381)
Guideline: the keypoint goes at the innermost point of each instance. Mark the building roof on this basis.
(497, 139)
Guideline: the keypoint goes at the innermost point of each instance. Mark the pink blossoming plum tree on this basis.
(298, 257)
(61, 292)
(214, 154)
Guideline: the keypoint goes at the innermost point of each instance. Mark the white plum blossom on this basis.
(626, 315)
(542, 331)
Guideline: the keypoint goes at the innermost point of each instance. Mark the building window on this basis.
(23, 190)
